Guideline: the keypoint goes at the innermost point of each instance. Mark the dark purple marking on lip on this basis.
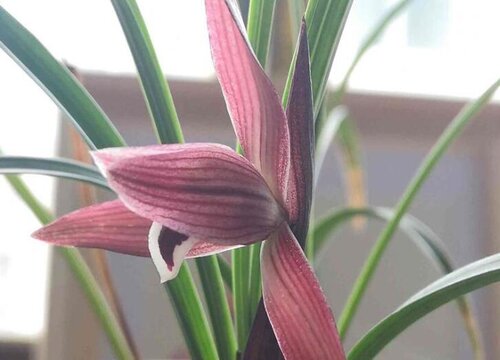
(167, 241)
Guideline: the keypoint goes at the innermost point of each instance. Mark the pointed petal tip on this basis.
(100, 161)
(109, 225)
(41, 234)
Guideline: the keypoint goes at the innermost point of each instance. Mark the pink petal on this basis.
(204, 248)
(252, 101)
(112, 226)
(301, 124)
(104, 158)
(299, 314)
(202, 190)
(109, 226)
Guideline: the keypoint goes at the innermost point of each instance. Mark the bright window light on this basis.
(443, 48)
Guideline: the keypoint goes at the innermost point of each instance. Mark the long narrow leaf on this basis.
(260, 26)
(218, 308)
(325, 138)
(52, 167)
(296, 11)
(58, 83)
(225, 270)
(240, 260)
(354, 179)
(191, 316)
(435, 154)
(423, 237)
(369, 41)
(458, 283)
(83, 275)
(156, 91)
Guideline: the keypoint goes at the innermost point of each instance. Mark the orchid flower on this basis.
(188, 200)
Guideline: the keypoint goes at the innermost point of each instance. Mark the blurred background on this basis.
(430, 61)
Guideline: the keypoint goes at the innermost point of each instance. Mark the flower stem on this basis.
(218, 308)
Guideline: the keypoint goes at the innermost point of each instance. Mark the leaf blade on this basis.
(52, 167)
(424, 238)
(458, 283)
(58, 83)
(155, 87)
(452, 131)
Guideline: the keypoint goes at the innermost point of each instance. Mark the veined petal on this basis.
(112, 226)
(206, 191)
(301, 125)
(104, 158)
(251, 100)
(299, 314)
(108, 225)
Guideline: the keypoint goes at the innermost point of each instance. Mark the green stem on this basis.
(366, 45)
(191, 316)
(226, 272)
(254, 286)
(84, 276)
(436, 153)
(259, 27)
(240, 266)
(218, 308)
(155, 87)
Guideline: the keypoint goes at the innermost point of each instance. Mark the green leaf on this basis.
(325, 21)
(156, 91)
(98, 131)
(83, 275)
(452, 132)
(339, 124)
(423, 237)
(296, 11)
(225, 270)
(330, 128)
(240, 266)
(348, 140)
(461, 281)
(255, 280)
(191, 316)
(58, 83)
(218, 308)
(260, 26)
(369, 41)
(52, 167)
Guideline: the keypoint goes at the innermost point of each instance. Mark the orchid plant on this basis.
(179, 201)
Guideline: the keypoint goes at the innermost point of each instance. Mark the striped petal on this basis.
(301, 124)
(206, 191)
(109, 226)
(252, 102)
(112, 226)
(299, 314)
(106, 157)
